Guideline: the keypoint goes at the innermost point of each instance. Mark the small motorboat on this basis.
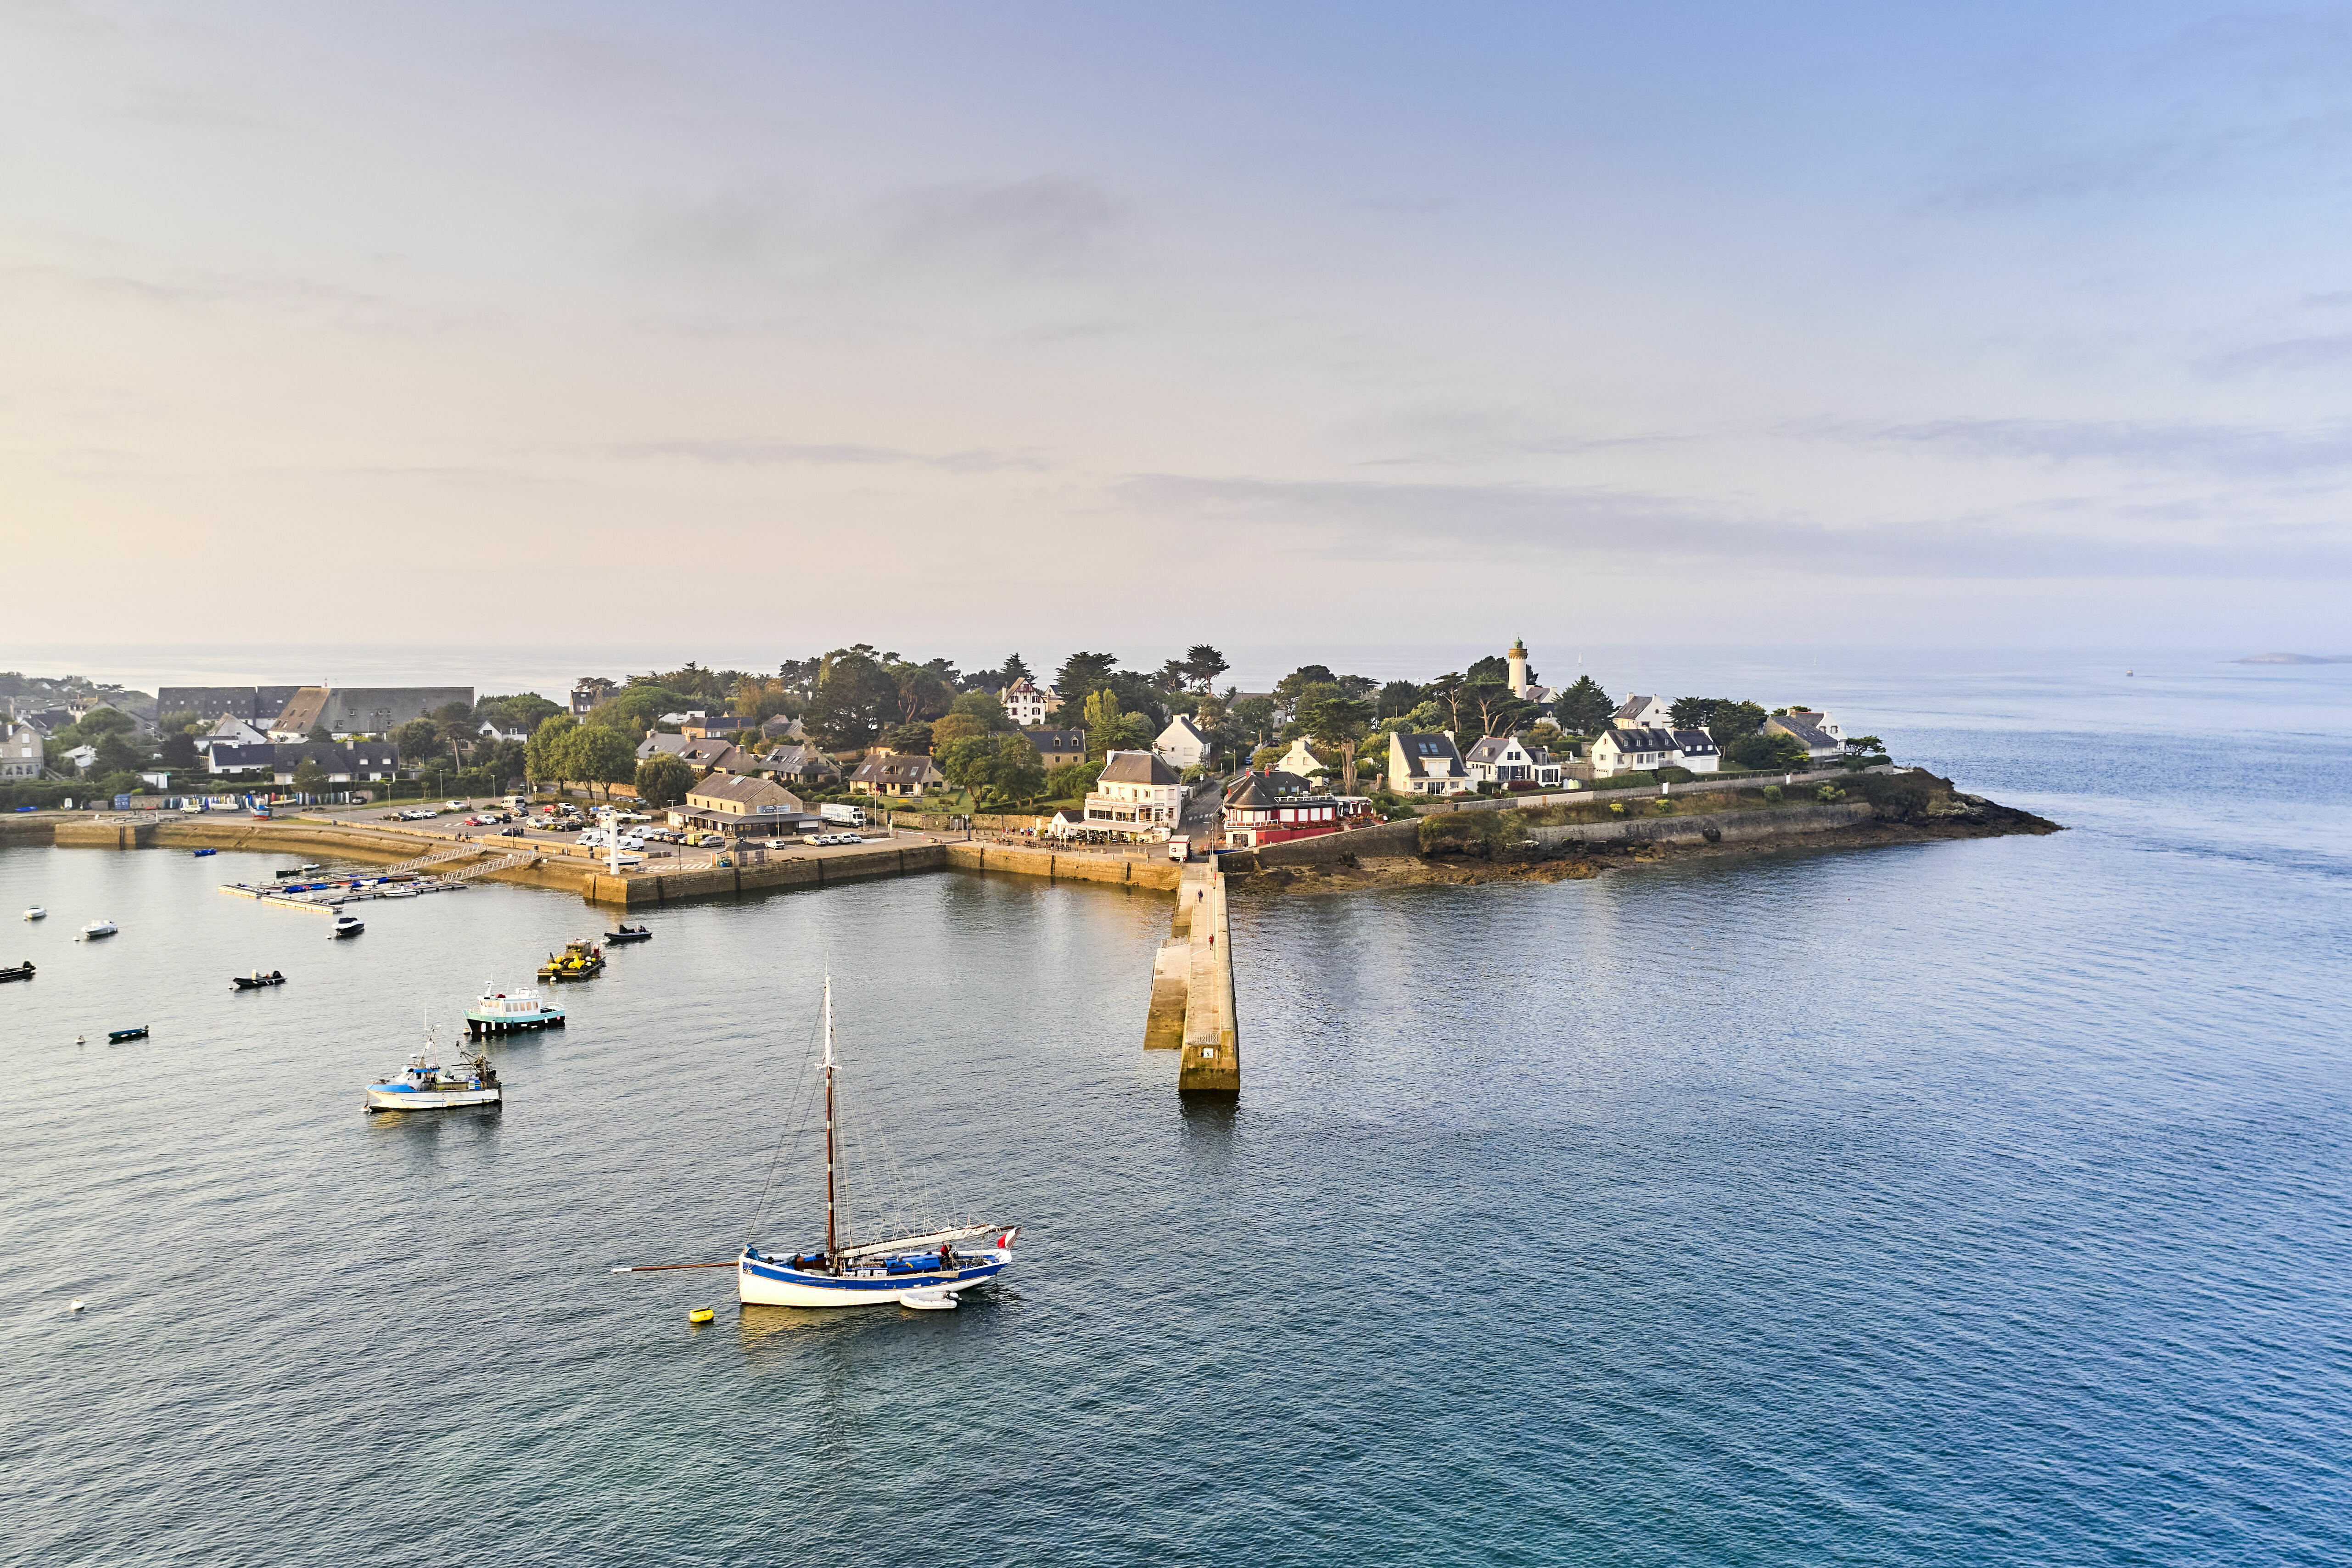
(200, 854)
(308, 869)
(118, 1036)
(507, 1012)
(426, 1085)
(37, 913)
(581, 960)
(256, 980)
(100, 928)
(629, 933)
(21, 971)
(347, 925)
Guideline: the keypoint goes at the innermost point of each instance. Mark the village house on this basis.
(586, 692)
(1182, 745)
(81, 757)
(716, 727)
(1259, 811)
(783, 728)
(1819, 720)
(742, 807)
(1137, 795)
(20, 752)
(1820, 746)
(1622, 751)
(490, 732)
(356, 761)
(695, 752)
(1026, 703)
(798, 762)
(1697, 749)
(1059, 748)
(1426, 764)
(1641, 713)
(887, 773)
(1508, 762)
(1298, 760)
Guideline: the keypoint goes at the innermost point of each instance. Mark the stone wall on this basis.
(1388, 838)
(1712, 828)
(1160, 875)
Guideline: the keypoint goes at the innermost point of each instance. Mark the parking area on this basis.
(491, 821)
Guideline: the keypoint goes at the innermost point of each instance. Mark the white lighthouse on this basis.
(1518, 658)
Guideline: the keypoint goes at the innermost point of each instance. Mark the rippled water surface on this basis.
(1972, 1203)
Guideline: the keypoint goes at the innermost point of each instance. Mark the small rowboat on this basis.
(629, 933)
(256, 980)
(200, 854)
(119, 1035)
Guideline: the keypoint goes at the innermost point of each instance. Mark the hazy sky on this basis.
(965, 327)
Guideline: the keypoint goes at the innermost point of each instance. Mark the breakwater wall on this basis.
(1191, 1010)
(1160, 876)
(1711, 828)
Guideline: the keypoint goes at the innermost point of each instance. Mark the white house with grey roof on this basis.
(1138, 796)
(1641, 713)
(1426, 764)
(1182, 745)
(1820, 746)
(1629, 751)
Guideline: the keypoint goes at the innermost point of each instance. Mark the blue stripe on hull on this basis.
(893, 1282)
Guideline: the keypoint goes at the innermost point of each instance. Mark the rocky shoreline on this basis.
(1469, 849)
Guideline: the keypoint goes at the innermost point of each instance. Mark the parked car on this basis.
(631, 841)
(454, 804)
(512, 833)
(706, 840)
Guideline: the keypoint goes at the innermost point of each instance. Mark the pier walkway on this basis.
(1191, 1008)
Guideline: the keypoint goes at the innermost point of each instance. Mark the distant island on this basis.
(2292, 658)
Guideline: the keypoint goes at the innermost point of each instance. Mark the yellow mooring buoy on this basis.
(700, 1315)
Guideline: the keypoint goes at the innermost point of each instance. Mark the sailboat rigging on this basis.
(922, 1267)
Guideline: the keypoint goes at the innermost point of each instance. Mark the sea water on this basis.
(1972, 1203)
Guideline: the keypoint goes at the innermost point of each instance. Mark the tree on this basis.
(1071, 781)
(1446, 692)
(663, 780)
(310, 778)
(101, 722)
(598, 754)
(1202, 666)
(417, 738)
(1767, 750)
(1289, 690)
(1108, 729)
(955, 727)
(856, 695)
(980, 707)
(116, 754)
(1020, 773)
(758, 698)
(1724, 718)
(914, 740)
(1864, 745)
(320, 736)
(1398, 697)
(963, 758)
(179, 751)
(524, 711)
(1583, 709)
(548, 751)
(1252, 717)
(1334, 723)
(1015, 669)
(925, 691)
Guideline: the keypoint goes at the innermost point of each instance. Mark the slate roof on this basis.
(754, 793)
(301, 711)
(1138, 767)
(1430, 756)
(1815, 740)
(783, 728)
(1642, 739)
(800, 761)
(897, 768)
(1059, 740)
(1489, 749)
(1694, 743)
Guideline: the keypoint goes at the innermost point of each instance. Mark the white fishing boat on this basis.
(426, 1085)
(37, 913)
(924, 1268)
(499, 1012)
(100, 928)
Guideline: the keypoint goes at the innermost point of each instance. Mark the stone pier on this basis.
(1193, 989)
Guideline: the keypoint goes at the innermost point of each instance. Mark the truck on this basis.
(1179, 848)
(845, 815)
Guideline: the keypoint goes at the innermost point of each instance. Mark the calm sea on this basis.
(1972, 1203)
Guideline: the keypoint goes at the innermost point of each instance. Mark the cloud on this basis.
(1352, 519)
(1048, 225)
(1441, 433)
(2321, 353)
(775, 454)
(2240, 449)
(205, 291)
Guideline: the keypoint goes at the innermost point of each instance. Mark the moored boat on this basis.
(200, 854)
(924, 1268)
(21, 971)
(37, 913)
(423, 1084)
(348, 925)
(256, 981)
(581, 960)
(508, 1012)
(100, 928)
(119, 1035)
(629, 933)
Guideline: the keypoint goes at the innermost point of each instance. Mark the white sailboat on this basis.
(925, 1269)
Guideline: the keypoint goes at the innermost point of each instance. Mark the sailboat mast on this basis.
(831, 1248)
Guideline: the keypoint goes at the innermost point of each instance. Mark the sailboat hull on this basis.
(767, 1283)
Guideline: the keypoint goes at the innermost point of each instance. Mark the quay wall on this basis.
(1714, 828)
(1160, 875)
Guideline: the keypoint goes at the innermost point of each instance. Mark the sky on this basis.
(960, 329)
